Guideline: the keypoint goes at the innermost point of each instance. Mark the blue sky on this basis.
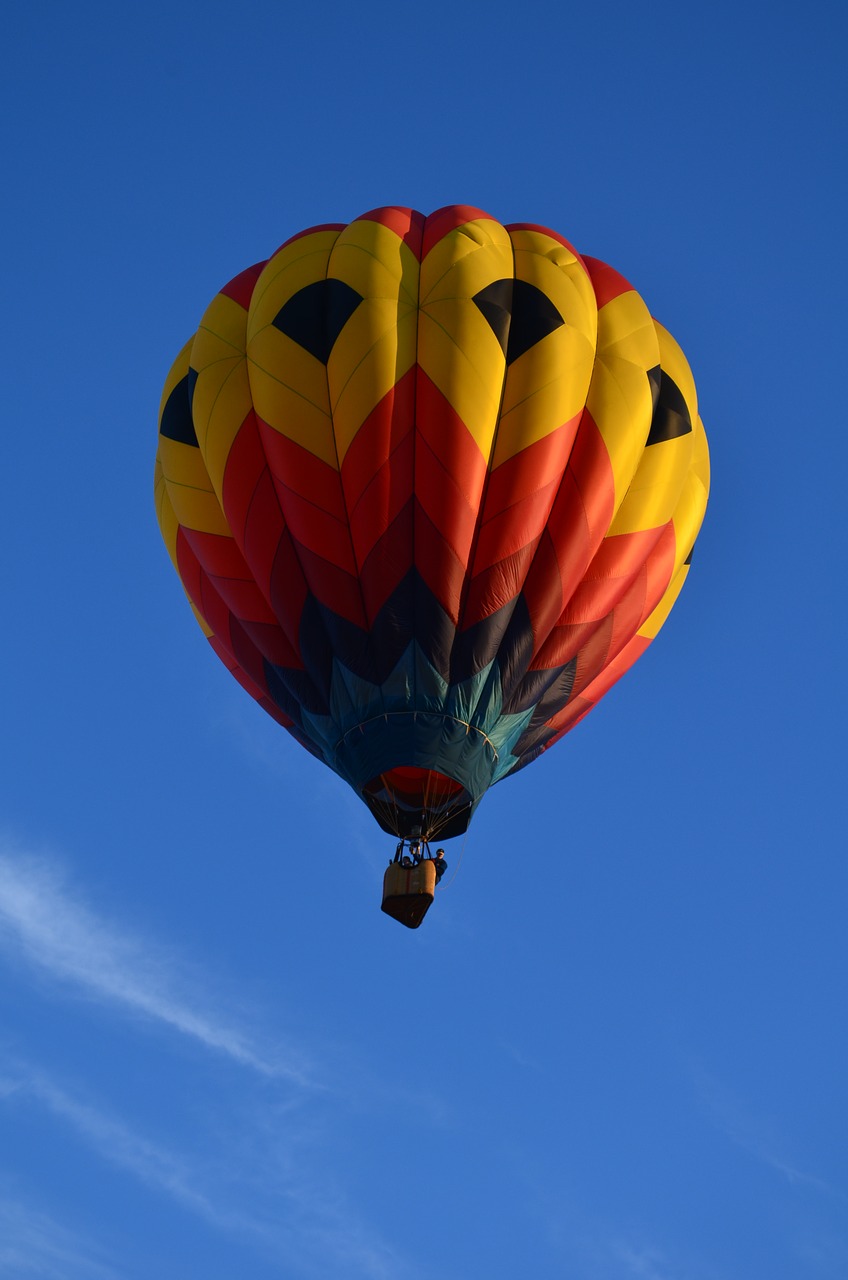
(617, 1048)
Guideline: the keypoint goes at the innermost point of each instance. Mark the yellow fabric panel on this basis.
(619, 399)
(688, 517)
(168, 523)
(464, 241)
(676, 365)
(456, 346)
(187, 482)
(655, 489)
(169, 526)
(292, 268)
(221, 399)
(374, 261)
(190, 490)
(375, 349)
(378, 344)
(692, 505)
(548, 384)
(701, 456)
(656, 620)
(551, 267)
(299, 407)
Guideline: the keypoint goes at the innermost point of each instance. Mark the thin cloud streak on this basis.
(44, 923)
(115, 1142)
(33, 1245)
(647, 1264)
(753, 1135)
(297, 1220)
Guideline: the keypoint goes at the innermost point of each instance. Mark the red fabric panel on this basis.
(389, 561)
(244, 468)
(218, 616)
(287, 588)
(617, 562)
(592, 470)
(253, 511)
(613, 672)
(531, 469)
(583, 509)
(314, 511)
(450, 470)
(272, 642)
(218, 554)
(299, 472)
(408, 224)
(387, 426)
(592, 656)
(580, 516)
(507, 530)
(315, 529)
(628, 612)
(443, 221)
(241, 287)
(438, 564)
(566, 641)
(606, 281)
(188, 568)
(660, 567)
(518, 500)
(264, 532)
(489, 591)
(543, 586)
(387, 493)
(225, 566)
(331, 585)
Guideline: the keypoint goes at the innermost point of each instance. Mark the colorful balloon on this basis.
(431, 485)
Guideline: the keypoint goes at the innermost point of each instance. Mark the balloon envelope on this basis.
(431, 485)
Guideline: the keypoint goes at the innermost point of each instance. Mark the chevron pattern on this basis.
(431, 486)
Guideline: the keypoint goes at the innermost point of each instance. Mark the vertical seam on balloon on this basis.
(538, 642)
(416, 386)
(336, 446)
(367, 630)
(295, 549)
(475, 538)
(294, 642)
(494, 669)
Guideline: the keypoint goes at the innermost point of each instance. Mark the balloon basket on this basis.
(408, 891)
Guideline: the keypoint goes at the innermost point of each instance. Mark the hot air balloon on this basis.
(431, 485)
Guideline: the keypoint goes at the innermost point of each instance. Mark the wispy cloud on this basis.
(46, 923)
(111, 1138)
(34, 1246)
(647, 1264)
(284, 1211)
(256, 1171)
(755, 1134)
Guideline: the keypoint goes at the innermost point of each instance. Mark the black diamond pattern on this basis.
(671, 414)
(519, 314)
(315, 316)
(176, 423)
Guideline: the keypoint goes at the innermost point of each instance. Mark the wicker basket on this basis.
(408, 891)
